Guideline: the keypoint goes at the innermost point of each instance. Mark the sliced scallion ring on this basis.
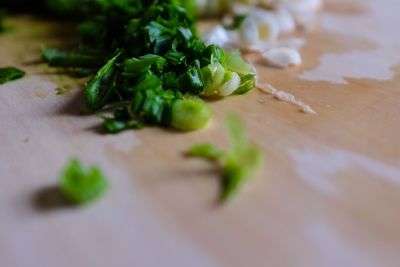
(213, 75)
(190, 114)
(231, 84)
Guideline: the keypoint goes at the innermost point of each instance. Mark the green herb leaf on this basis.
(57, 58)
(192, 80)
(175, 58)
(115, 126)
(134, 66)
(101, 88)
(8, 74)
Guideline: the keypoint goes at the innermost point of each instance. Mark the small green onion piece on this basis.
(114, 126)
(134, 65)
(57, 58)
(8, 74)
(233, 177)
(213, 76)
(238, 169)
(81, 185)
(231, 84)
(234, 62)
(244, 159)
(192, 80)
(247, 82)
(206, 151)
(95, 96)
(190, 114)
(238, 163)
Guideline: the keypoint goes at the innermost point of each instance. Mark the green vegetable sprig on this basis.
(8, 74)
(150, 60)
(80, 185)
(240, 161)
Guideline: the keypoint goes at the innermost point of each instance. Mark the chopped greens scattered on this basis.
(150, 67)
(149, 58)
(80, 185)
(238, 162)
(8, 74)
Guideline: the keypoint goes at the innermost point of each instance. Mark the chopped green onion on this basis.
(213, 75)
(114, 126)
(246, 84)
(96, 98)
(81, 185)
(137, 65)
(234, 62)
(231, 84)
(236, 172)
(160, 58)
(240, 161)
(190, 114)
(56, 58)
(8, 74)
(206, 151)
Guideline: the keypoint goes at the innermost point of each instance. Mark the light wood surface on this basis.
(329, 194)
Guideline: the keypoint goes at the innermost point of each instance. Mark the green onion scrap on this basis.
(240, 161)
(8, 74)
(80, 185)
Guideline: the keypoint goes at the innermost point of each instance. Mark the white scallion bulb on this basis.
(282, 57)
(259, 28)
(231, 85)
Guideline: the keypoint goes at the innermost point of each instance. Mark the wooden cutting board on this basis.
(329, 194)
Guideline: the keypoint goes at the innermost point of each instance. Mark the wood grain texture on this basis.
(328, 196)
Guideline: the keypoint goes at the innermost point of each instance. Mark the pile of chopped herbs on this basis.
(150, 66)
